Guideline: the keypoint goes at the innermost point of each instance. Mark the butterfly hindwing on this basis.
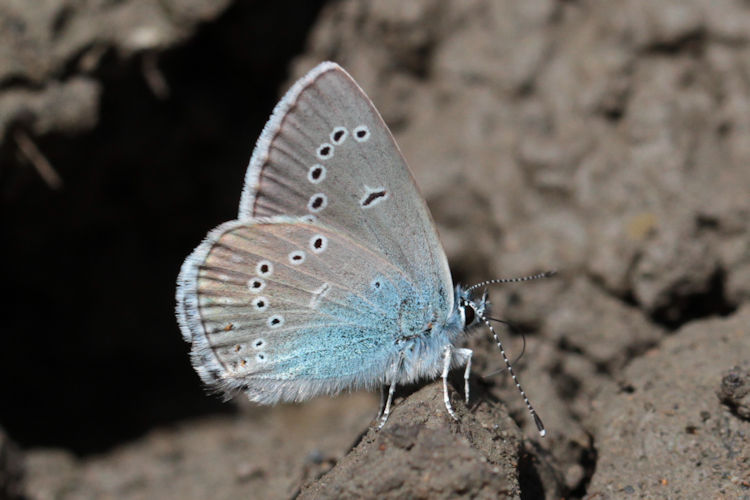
(284, 310)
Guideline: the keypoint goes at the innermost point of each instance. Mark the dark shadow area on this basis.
(706, 304)
(531, 484)
(92, 353)
(588, 458)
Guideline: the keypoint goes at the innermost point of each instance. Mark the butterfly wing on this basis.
(284, 310)
(327, 155)
(333, 263)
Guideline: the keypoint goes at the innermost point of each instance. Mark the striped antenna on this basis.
(545, 274)
(537, 420)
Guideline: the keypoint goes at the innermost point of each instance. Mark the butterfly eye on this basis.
(361, 133)
(338, 135)
(469, 314)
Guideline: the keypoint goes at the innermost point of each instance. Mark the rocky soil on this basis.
(607, 140)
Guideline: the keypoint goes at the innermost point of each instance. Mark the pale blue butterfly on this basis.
(332, 277)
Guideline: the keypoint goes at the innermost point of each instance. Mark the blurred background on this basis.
(610, 141)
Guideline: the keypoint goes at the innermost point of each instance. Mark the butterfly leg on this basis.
(391, 390)
(381, 407)
(465, 356)
(387, 409)
(447, 357)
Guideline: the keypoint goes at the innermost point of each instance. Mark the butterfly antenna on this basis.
(537, 420)
(518, 357)
(545, 274)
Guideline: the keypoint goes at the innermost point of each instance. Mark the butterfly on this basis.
(332, 277)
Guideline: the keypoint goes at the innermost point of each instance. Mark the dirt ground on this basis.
(607, 140)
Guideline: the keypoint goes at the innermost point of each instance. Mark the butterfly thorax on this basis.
(421, 355)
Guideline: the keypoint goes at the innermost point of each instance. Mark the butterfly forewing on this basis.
(327, 155)
(287, 310)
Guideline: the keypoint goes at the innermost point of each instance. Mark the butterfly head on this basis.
(471, 310)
